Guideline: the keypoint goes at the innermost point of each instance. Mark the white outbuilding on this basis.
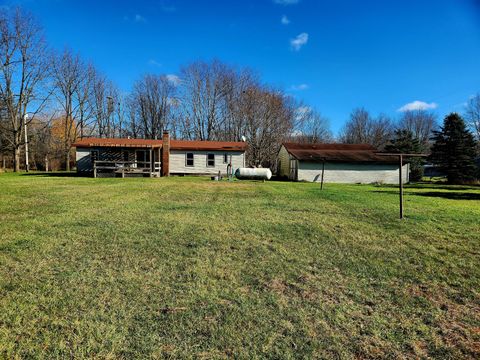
(338, 163)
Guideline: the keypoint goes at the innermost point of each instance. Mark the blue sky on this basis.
(333, 55)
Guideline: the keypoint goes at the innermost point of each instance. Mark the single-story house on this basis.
(106, 157)
(338, 163)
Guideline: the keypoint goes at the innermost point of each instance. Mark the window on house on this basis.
(211, 160)
(225, 158)
(189, 159)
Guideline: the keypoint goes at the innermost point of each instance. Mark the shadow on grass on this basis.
(449, 195)
(433, 186)
(441, 186)
(53, 174)
(452, 195)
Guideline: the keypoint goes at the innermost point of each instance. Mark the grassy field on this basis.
(187, 267)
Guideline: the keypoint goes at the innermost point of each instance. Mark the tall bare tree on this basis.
(153, 100)
(420, 123)
(72, 82)
(237, 82)
(268, 116)
(204, 86)
(83, 95)
(362, 128)
(473, 115)
(313, 127)
(104, 99)
(23, 55)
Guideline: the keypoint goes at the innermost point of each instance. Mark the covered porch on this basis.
(126, 161)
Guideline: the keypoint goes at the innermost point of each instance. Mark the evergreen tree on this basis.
(405, 142)
(454, 150)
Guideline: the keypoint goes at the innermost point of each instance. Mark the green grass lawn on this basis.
(186, 267)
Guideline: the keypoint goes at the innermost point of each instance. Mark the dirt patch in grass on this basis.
(458, 321)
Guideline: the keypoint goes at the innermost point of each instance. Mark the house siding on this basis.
(352, 173)
(178, 163)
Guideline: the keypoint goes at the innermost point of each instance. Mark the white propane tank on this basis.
(253, 174)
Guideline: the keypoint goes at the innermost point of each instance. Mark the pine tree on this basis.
(405, 142)
(454, 150)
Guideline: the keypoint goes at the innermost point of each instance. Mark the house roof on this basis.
(115, 142)
(337, 153)
(207, 145)
(174, 144)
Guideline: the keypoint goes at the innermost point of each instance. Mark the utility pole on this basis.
(323, 174)
(25, 118)
(400, 173)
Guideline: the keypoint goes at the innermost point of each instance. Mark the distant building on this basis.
(109, 157)
(339, 163)
(430, 170)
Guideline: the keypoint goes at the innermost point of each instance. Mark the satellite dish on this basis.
(243, 138)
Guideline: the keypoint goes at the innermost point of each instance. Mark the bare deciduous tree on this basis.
(473, 115)
(203, 89)
(152, 101)
(361, 128)
(83, 94)
(23, 55)
(72, 82)
(104, 99)
(420, 123)
(313, 127)
(268, 117)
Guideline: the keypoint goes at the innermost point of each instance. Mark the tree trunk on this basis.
(16, 159)
(67, 159)
(46, 163)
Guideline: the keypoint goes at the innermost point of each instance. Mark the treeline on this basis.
(58, 97)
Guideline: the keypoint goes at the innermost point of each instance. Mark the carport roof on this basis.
(363, 153)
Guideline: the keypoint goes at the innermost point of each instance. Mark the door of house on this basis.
(293, 169)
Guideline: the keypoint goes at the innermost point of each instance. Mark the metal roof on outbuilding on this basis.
(337, 153)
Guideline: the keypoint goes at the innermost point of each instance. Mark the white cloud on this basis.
(167, 7)
(286, 2)
(299, 41)
(174, 79)
(299, 87)
(418, 105)
(301, 112)
(154, 63)
(285, 20)
(139, 19)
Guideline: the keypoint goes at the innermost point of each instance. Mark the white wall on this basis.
(178, 162)
(83, 161)
(351, 173)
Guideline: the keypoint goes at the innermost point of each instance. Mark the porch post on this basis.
(152, 163)
(159, 162)
(400, 158)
